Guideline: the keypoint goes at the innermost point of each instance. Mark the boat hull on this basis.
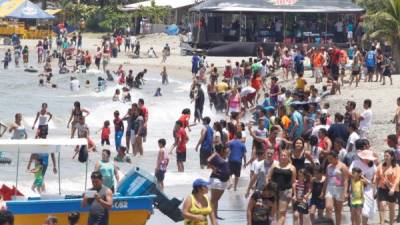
(125, 211)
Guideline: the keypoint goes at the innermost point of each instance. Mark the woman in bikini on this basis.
(76, 113)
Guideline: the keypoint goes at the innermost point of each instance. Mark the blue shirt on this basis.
(267, 102)
(45, 158)
(298, 59)
(208, 140)
(370, 59)
(237, 151)
(296, 118)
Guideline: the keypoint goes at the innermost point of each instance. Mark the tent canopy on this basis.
(22, 9)
(173, 4)
(259, 6)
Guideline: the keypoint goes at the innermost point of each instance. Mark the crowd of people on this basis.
(302, 156)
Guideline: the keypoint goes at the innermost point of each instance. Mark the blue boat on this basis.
(129, 208)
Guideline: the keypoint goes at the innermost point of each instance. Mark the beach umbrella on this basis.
(27, 10)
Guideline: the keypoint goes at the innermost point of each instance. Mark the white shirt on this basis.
(367, 171)
(352, 140)
(282, 98)
(75, 85)
(264, 70)
(256, 166)
(366, 123)
(339, 26)
(342, 154)
(278, 26)
(317, 128)
(247, 90)
(315, 99)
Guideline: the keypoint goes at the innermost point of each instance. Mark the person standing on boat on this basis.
(18, 129)
(101, 204)
(107, 169)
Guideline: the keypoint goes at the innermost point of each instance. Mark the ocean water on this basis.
(20, 92)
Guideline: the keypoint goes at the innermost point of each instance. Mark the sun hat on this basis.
(200, 183)
(367, 154)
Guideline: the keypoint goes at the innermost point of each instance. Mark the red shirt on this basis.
(182, 140)
(335, 56)
(105, 133)
(185, 120)
(145, 112)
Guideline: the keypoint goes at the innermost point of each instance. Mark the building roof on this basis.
(173, 4)
(320, 6)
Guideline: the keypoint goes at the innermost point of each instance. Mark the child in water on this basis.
(164, 76)
(105, 133)
(158, 93)
(162, 163)
(38, 172)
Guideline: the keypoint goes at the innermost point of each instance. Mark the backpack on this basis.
(83, 154)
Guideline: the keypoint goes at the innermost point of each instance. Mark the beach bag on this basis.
(83, 154)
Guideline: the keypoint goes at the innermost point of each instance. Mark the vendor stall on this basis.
(25, 19)
(269, 21)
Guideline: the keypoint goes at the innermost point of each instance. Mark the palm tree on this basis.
(384, 23)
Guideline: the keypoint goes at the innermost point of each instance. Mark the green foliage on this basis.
(74, 12)
(154, 12)
(385, 22)
(111, 18)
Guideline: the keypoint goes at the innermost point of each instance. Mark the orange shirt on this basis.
(387, 175)
(256, 83)
(286, 122)
(318, 60)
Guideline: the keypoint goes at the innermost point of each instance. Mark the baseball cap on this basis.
(200, 183)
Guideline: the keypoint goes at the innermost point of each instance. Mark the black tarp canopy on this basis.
(260, 6)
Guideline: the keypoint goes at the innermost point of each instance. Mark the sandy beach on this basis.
(163, 112)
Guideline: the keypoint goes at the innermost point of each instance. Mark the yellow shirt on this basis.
(194, 209)
(300, 83)
(222, 87)
(357, 192)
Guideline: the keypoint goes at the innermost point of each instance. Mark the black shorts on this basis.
(387, 73)
(355, 72)
(43, 131)
(160, 175)
(204, 154)
(335, 72)
(383, 195)
(181, 156)
(302, 208)
(235, 168)
(319, 203)
(371, 69)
